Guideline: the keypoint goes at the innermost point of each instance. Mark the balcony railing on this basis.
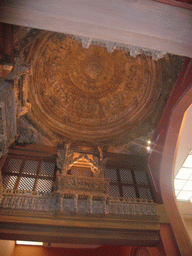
(77, 204)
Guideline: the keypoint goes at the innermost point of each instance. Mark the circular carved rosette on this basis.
(89, 94)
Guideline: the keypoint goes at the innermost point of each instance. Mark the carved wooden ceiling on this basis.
(91, 95)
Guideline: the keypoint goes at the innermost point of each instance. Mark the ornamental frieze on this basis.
(83, 184)
(125, 208)
(130, 209)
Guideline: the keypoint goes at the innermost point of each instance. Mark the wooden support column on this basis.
(167, 238)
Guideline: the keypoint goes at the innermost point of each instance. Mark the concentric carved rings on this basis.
(89, 94)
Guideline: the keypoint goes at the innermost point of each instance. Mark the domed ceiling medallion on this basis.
(89, 94)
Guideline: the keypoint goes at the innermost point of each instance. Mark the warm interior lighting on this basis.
(29, 243)
(183, 181)
(148, 146)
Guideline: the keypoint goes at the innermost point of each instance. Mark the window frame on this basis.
(37, 176)
(119, 183)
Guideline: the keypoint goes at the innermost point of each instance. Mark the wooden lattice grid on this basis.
(126, 176)
(14, 165)
(47, 169)
(114, 191)
(111, 173)
(145, 193)
(44, 185)
(141, 178)
(30, 167)
(28, 174)
(129, 191)
(9, 181)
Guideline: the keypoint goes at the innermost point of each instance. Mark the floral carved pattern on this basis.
(89, 85)
(90, 94)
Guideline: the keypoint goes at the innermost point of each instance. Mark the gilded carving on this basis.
(83, 89)
(84, 184)
(88, 94)
(75, 158)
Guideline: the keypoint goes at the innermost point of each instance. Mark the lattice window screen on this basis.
(30, 167)
(75, 171)
(14, 165)
(129, 191)
(44, 185)
(141, 178)
(145, 193)
(26, 183)
(114, 191)
(131, 184)
(111, 173)
(28, 174)
(87, 173)
(9, 181)
(126, 176)
(47, 169)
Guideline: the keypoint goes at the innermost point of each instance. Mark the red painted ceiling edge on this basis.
(181, 4)
(181, 85)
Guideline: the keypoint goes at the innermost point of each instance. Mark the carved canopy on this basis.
(91, 95)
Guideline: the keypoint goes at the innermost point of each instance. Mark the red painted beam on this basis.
(186, 4)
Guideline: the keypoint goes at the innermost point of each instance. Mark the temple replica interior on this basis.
(89, 130)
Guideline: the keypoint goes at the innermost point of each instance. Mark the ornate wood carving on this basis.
(67, 183)
(92, 94)
(70, 203)
(7, 116)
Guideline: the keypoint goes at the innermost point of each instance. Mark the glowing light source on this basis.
(29, 243)
(148, 148)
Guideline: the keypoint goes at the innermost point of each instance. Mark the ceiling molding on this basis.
(147, 24)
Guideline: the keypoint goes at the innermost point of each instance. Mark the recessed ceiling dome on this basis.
(89, 94)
